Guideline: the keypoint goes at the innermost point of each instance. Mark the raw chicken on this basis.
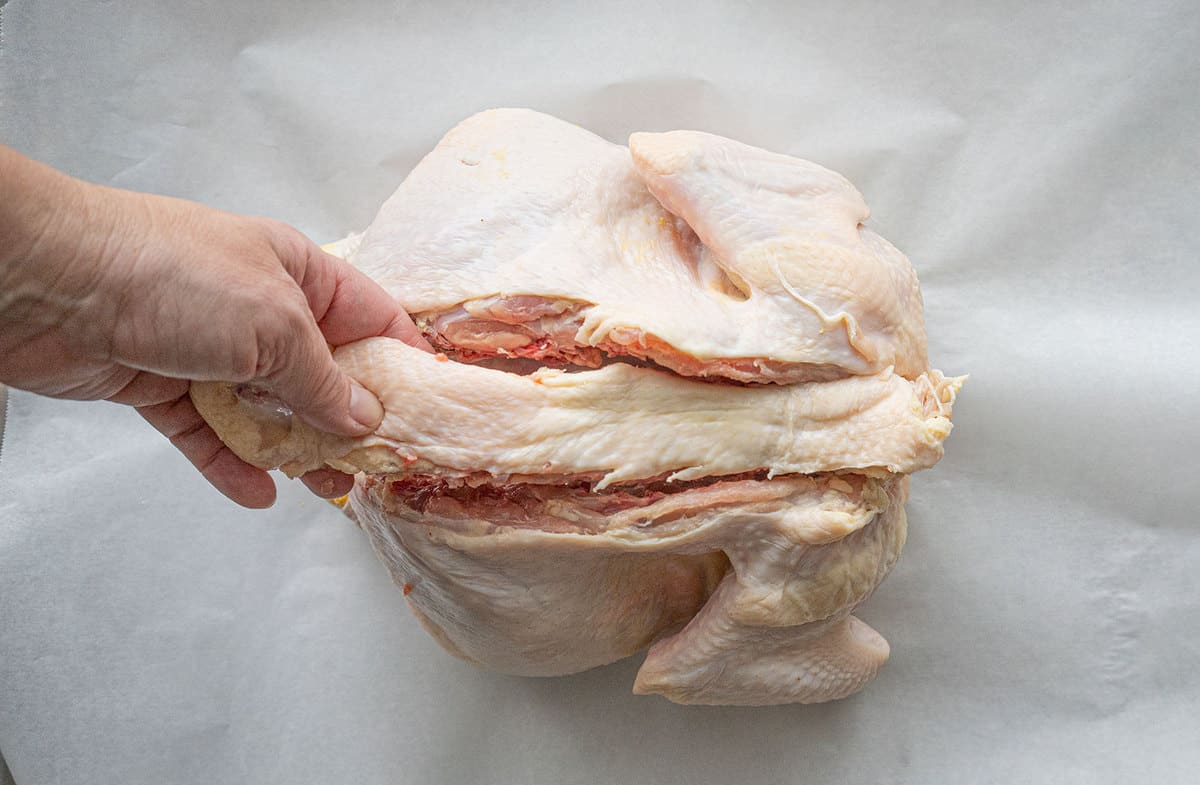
(717, 466)
(524, 235)
(615, 424)
(757, 578)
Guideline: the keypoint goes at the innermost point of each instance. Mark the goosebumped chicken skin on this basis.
(680, 392)
(597, 423)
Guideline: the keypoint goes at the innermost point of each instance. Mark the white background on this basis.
(1038, 164)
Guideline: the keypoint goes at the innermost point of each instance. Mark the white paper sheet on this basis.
(1036, 162)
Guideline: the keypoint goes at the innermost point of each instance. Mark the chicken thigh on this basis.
(680, 390)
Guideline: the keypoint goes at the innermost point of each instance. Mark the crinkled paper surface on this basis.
(1036, 161)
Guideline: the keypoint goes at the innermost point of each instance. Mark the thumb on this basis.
(320, 393)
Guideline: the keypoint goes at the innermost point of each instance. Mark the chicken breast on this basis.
(681, 389)
(523, 235)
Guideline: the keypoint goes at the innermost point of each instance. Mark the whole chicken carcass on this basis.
(679, 391)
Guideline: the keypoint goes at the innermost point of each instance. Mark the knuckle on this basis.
(287, 242)
(243, 363)
(273, 352)
(287, 338)
(270, 228)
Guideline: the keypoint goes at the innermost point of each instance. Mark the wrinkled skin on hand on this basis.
(113, 295)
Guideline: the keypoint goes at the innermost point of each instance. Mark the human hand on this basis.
(127, 297)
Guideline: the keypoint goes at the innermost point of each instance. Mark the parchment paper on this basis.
(1036, 161)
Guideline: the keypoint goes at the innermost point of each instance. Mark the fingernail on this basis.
(365, 408)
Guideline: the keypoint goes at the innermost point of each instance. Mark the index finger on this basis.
(349, 306)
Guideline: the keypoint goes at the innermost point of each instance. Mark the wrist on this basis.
(56, 246)
(32, 197)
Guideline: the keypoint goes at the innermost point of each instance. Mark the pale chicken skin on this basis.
(681, 389)
(703, 254)
(599, 423)
(772, 570)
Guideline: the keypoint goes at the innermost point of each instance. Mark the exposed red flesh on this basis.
(530, 327)
(572, 503)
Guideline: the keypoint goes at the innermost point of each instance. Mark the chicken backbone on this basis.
(679, 390)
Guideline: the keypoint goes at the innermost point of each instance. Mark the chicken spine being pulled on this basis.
(680, 391)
